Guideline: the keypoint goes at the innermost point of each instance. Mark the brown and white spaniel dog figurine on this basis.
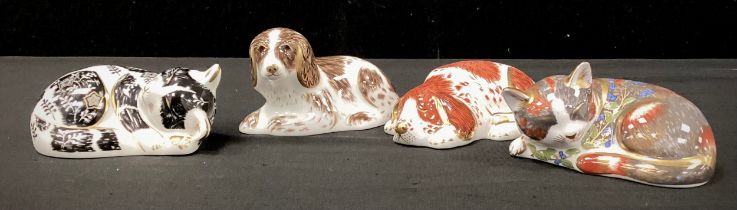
(457, 104)
(308, 95)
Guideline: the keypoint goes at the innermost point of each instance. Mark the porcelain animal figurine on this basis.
(457, 104)
(105, 111)
(308, 95)
(616, 128)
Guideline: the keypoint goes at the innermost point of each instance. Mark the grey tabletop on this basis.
(357, 169)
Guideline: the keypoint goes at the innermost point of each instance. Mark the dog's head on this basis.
(427, 108)
(279, 54)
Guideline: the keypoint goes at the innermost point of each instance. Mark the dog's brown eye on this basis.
(286, 49)
(261, 49)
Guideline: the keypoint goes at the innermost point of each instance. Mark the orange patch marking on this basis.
(519, 79)
(551, 83)
(484, 69)
(643, 114)
(707, 137)
(459, 115)
(602, 163)
(537, 106)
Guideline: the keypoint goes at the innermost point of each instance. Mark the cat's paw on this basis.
(181, 141)
(517, 147)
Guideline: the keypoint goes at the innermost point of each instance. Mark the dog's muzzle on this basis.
(272, 72)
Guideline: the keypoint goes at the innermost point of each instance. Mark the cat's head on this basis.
(558, 109)
(186, 98)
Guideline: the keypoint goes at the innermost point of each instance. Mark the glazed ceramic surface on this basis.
(457, 104)
(104, 111)
(308, 95)
(612, 127)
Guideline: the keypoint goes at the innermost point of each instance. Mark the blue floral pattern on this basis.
(619, 93)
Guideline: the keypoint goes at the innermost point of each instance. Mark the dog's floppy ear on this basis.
(253, 65)
(253, 71)
(307, 73)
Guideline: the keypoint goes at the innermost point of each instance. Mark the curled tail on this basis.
(63, 123)
(687, 172)
(681, 173)
(684, 172)
(56, 140)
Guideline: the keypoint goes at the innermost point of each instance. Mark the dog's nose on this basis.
(401, 128)
(271, 69)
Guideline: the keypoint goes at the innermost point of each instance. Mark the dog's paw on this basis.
(517, 147)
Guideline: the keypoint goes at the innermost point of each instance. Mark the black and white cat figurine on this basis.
(105, 111)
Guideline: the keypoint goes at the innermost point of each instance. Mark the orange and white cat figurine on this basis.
(612, 127)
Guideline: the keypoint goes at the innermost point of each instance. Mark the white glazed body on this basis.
(307, 95)
(461, 102)
(292, 110)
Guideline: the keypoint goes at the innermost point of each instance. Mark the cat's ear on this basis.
(515, 99)
(210, 78)
(581, 76)
(213, 76)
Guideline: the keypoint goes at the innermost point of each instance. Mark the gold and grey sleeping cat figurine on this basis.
(611, 127)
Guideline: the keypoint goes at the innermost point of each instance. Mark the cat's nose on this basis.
(571, 137)
(401, 128)
(271, 69)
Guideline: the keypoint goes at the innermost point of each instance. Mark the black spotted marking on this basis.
(38, 125)
(114, 70)
(71, 140)
(108, 141)
(68, 95)
(126, 98)
(131, 119)
(127, 91)
(149, 76)
(175, 105)
(138, 70)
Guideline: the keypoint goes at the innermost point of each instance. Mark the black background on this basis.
(375, 29)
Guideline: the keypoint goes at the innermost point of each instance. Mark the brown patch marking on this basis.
(252, 119)
(334, 66)
(358, 118)
(277, 123)
(369, 81)
(324, 103)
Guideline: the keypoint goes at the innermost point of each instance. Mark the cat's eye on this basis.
(578, 108)
(580, 112)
